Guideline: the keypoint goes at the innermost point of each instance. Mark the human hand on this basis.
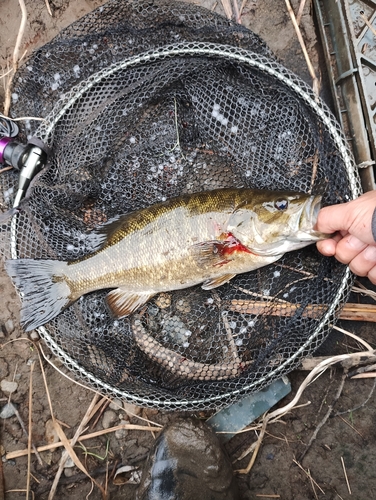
(353, 242)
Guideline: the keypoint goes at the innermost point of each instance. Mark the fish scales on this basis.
(157, 247)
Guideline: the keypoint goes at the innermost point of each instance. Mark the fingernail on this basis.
(370, 253)
(355, 243)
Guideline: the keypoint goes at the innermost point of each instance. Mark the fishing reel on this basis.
(28, 159)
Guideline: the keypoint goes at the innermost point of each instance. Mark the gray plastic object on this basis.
(348, 34)
(237, 416)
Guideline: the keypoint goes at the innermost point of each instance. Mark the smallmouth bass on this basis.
(202, 238)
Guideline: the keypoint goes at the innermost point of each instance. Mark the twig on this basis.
(80, 476)
(254, 448)
(227, 8)
(16, 412)
(278, 307)
(361, 370)
(300, 11)
(345, 473)
(177, 144)
(84, 437)
(19, 490)
(326, 416)
(30, 424)
(365, 375)
(15, 55)
(360, 406)
(364, 17)
(240, 14)
(77, 382)
(309, 363)
(5, 169)
(24, 118)
(2, 489)
(69, 445)
(11, 69)
(353, 336)
(278, 413)
(311, 480)
(259, 495)
(311, 70)
(48, 8)
(10, 394)
(315, 164)
(360, 288)
(233, 349)
(352, 427)
(104, 403)
(308, 475)
(236, 12)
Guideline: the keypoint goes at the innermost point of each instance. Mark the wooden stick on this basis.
(240, 14)
(308, 474)
(29, 438)
(309, 364)
(355, 337)
(236, 11)
(15, 55)
(2, 487)
(84, 437)
(48, 8)
(21, 422)
(300, 11)
(68, 444)
(259, 495)
(345, 473)
(227, 8)
(365, 375)
(326, 416)
(303, 47)
(350, 311)
(368, 24)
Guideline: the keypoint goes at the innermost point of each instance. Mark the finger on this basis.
(372, 275)
(334, 218)
(364, 261)
(355, 217)
(328, 247)
(348, 248)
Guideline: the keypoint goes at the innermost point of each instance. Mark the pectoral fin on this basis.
(123, 302)
(219, 252)
(221, 280)
(210, 253)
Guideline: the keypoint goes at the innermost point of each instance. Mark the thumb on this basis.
(334, 218)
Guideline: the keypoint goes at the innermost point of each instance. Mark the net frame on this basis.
(213, 51)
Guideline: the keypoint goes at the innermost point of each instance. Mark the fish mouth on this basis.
(308, 220)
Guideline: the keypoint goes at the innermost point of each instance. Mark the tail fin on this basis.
(44, 289)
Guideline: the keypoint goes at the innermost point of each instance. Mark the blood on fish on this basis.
(231, 244)
(227, 246)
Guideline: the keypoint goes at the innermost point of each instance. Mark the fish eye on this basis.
(281, 204)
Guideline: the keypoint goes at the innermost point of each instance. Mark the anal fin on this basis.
(123, 302)
(213, 283)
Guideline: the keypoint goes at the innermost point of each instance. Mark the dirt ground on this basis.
(340, 463)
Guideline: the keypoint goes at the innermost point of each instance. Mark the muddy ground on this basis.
(346, 442)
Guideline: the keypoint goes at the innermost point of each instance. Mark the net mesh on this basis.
(147, 100)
